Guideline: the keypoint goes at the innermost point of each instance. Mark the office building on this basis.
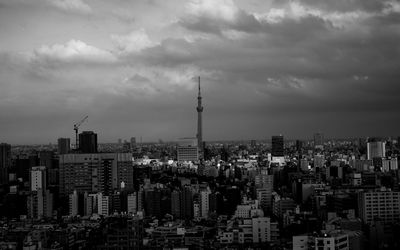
(176, 204)
(73, 203)
(38, 178)
(132, 203)
(204, 203)
(332, 240)
(103, 204)
(5, 162)
(64, 146)
(376, 149)
(95, 173)
(379, 205)
(264, 230)
(277, 146)
(39, 200)
(88, 142)
(319, 141)
(187, 150)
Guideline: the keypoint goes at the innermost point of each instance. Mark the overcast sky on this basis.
(267, 67)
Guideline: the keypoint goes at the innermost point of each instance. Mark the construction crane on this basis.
(76, 127)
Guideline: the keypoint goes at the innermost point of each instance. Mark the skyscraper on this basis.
(88, 142)
(376, 148)
(5, 162)
(94, 173)
(277, 146)
(199, 124)
(63, 145)
(319, 141)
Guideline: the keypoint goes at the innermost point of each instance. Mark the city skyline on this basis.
(267, 68)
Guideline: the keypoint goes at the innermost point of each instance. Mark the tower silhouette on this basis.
(199, 124)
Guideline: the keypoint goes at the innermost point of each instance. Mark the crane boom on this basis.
(76, 127)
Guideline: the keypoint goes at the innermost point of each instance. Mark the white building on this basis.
(332, 240)
(73, 204)
(132, 203)
(38, 178)
(103, 206)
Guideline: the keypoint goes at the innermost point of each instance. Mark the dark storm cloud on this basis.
(295, 67)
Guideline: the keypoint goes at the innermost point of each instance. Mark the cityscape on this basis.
(208, 124)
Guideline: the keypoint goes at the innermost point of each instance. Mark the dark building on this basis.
(88, 142)
(186, 201)
(122, 232)
(63, 146)
(5, 162)
(277, 145)
(152, 202)
(299, 145)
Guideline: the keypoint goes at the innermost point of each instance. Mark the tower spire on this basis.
(199, 124)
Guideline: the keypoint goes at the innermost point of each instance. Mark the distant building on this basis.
(187, 150)
(319, 141)
(375, 149)
(88, 142)
(277, 146)
(5, 162)
(95, 173)
(64, 146)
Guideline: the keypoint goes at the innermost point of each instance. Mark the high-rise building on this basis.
(88, 142)
(132, 203)
(277, 146)
(376, 148)
(204, 203)
(103, 204)
(381, 205)
(64, 146)
(94, 173)
(187, 150)
(5, 162)
(38, 178)
(200, 125)
(186, 203)
(319, 141)
(73, 203)
(133, 143)
(176, 204)
(40, 200)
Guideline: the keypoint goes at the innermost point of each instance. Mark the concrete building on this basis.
(379, 205)
(376, 148)
(64, 146)
(73, 204)
(332, 240)
(94, 173)
(103, 204)
(132, 203)
(319, 141)
(88, 142)
(38, 178)
(187, 150)
(204, 203)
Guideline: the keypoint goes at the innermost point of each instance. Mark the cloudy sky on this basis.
(291, 67)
